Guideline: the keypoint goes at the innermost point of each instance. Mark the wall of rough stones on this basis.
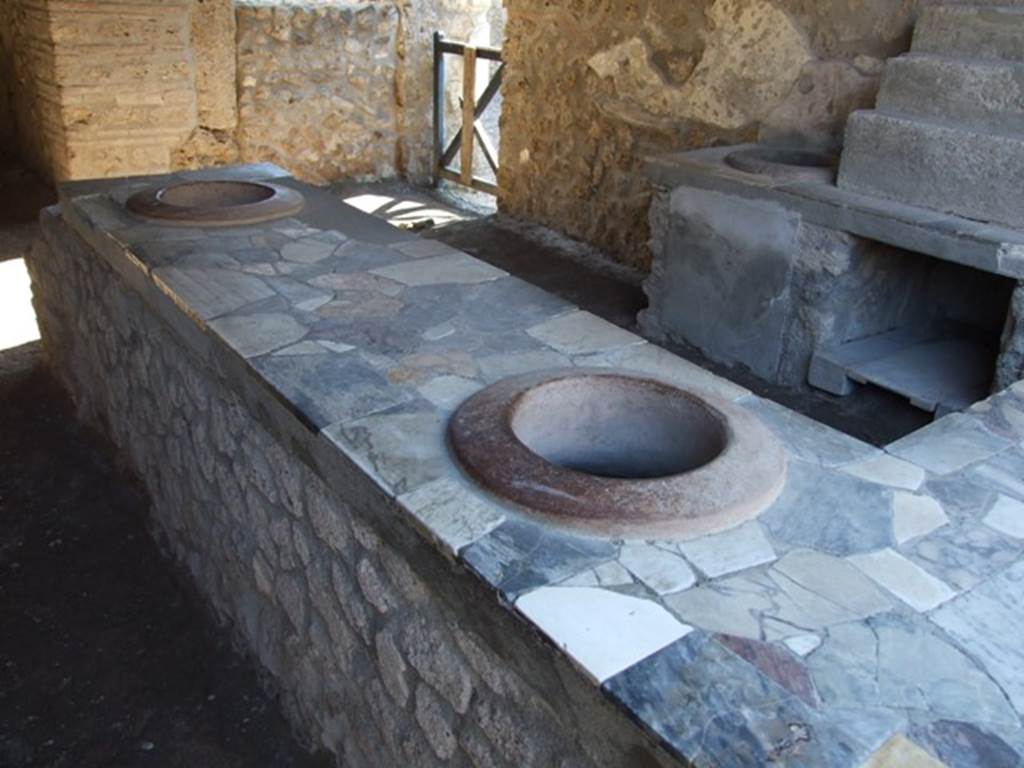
(594, 85)
(383, 653)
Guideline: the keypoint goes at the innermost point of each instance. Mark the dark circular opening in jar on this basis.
(215, 194)
(618, 427)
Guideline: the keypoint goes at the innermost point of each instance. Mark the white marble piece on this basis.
(253, 335)
(307, 251)
(436, 270)
(888, 470)
(309, 305)
(662, 571)
(604, 632)
(448, 392)
(610, 574)
(454, 514)
(655, 361)
(915, 515)
(439, 331)
(802, 645)
(948, 444)
(580, 333)
(729, 551)
(903, 578)
(1007, 516)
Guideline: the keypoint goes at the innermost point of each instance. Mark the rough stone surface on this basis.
(592, 87)
(368, 659)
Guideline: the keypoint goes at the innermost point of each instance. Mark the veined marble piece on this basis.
(652, 359)
(581, 333)
(830, 511)
(897, 661)
(803, 592)
(959, 743)
(948, 444)
(253, 335)
(888, 470)
(904, 579)
(803, 645)
(454, 514)
(1007, 516)
(1003, 472)
(519, 556)
(990, 621)
(610, 574)
(719, 710)
(1002, 414)
(660, 570)
(212, 292)
(604, 632)
(734, 550)
(965, 555)
(455, 267)
(915, 515)
(404, 449)
(809, 440)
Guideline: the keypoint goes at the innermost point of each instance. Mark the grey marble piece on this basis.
(717, 709)
(734, 550)
(329, 388)
(520, 555)
(253, 335)
(989, 621)
(958, 743)
(830, 511)
(455, 267)
(805, 591)
(1003, 472)
(809, 440)
(949, 444)
(896, 661)
(210, 293)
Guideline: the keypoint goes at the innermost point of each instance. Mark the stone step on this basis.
(985, 32)
(947, 168)
(983, 94)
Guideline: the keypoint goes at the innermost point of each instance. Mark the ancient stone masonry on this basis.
(379, 656)
(593, 87)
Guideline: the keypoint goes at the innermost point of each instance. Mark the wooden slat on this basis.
(490, 153)
(468, 112)
(482, 51)
(485, 99)
(475, 183)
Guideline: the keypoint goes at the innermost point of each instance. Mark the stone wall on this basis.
(595, 85)
(382, 651)
(317, 88)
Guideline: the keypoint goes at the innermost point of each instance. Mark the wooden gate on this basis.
(472, 132)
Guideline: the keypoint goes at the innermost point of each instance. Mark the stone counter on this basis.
(283, 390)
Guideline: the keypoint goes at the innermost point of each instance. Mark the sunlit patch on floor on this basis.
(17, 317)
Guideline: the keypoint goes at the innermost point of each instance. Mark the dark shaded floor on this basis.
(107, 657)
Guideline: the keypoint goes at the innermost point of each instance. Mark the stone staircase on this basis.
(948, 129)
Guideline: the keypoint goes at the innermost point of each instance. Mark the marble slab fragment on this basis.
(604, 632)
(455, 267)
(209, 293)
(809, 440)
(904, 579)
(581, 333)
(453, 513)
(949, 444)
(520, 556)
(734, 550)
(990, 621)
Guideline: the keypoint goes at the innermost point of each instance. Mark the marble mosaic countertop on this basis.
(873, 613)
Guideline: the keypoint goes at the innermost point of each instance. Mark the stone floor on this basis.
(106, 656)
